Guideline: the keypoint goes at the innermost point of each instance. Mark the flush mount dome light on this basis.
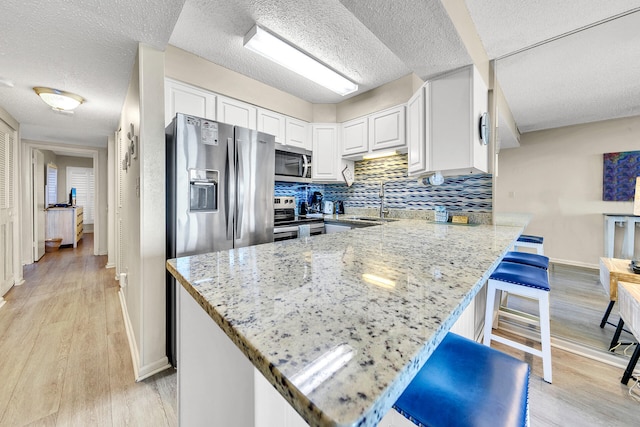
(286, 54)
(58, 99)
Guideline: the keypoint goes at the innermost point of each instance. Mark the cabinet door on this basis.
(236, 113)
(272, 123)
(416, 125)
(451, 100)
(355, 136)
(387, 128)
(297, 133)
(182, 98)
(325, 160)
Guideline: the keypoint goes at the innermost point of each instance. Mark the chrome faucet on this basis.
(383, 211)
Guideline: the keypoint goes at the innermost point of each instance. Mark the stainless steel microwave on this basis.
(293, 164)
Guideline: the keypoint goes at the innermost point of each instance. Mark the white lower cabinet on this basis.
(271, 408)
(336, 228)
(208, 362)
(327, 163)
(470, 324)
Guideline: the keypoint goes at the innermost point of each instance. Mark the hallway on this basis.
(64, 350)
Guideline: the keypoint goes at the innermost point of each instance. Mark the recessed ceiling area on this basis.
(558, 63)
(326, 30)
(563, 63)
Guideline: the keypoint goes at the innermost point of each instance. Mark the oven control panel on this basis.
(284, 202)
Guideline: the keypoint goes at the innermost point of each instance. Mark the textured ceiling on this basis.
(325, 29)
(588, 74)
(419, 32)
(89, 47)
(85, 47)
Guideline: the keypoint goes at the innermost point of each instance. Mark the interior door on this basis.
(38, 204)
(7, 200)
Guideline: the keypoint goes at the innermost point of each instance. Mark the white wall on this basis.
(192, 69)
(142, 198)
(557, 176)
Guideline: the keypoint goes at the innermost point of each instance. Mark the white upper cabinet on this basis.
(327, 163)
(375, 133)
(272, 123)
(355, 136)
(236, 113)
(386, 129)
(454, 104)
(416, 122)
(182, 98)
(297, 133)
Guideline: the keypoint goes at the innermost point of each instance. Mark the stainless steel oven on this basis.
(287, 225)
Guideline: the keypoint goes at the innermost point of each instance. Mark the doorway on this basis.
(87, 157)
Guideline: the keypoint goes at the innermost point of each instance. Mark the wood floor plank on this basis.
(86, 395)
(584, 392)
(132, 403)
(37, 393)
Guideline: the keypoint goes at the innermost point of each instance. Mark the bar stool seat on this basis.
(527, 258)
(529, 241)
(467, 384)
(529, 282)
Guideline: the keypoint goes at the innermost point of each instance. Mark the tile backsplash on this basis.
(466, 193)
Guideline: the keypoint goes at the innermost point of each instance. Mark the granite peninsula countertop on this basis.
(378, 300)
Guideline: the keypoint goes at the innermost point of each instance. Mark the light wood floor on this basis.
(64, 355)
(65, 361)
(577, 304)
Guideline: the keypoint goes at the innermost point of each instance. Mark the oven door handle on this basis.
(277, 230)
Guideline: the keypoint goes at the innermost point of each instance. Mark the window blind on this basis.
(82, 180)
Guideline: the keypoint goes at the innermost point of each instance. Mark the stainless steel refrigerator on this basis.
(220, 186)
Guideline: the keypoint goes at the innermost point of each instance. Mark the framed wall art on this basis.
(619, 175)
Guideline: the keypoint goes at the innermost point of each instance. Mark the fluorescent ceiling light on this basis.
(59, 99)
(270, 46)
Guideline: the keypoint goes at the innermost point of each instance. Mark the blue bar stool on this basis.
(467, 384)
(527, 258)
(528, 241)
(529, 282)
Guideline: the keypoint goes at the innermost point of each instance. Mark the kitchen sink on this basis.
(370, 219)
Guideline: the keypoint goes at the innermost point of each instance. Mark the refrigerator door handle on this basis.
(240, 191)
(230, 193)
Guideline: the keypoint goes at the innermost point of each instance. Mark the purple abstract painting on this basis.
(619, 175)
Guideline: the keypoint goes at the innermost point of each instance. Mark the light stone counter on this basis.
(383, 297)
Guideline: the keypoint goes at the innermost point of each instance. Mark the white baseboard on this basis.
(151, 369)
(133, 347)
(2, 301)
(139, 372)
(110, 265)
(574, 263)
